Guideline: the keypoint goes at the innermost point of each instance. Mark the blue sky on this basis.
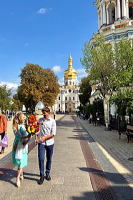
(43, 32)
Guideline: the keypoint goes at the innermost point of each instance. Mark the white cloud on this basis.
(56, 68)
(61, 81)
(42, 11)
(81, 73)
(81, 70)
(12, 86)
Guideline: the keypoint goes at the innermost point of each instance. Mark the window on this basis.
(111, 12)
(66, 98)
(131, 12)
(59, 98)
(73, 98)
(69, 90)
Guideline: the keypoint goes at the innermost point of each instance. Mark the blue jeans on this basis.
(41, 157)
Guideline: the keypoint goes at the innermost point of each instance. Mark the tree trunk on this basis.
(106, 111)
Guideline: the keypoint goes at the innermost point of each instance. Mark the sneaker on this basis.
(48, 178)
(40, 182)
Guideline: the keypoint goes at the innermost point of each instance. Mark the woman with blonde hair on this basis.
(20, 145)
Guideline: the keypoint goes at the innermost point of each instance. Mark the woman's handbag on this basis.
(4, 141)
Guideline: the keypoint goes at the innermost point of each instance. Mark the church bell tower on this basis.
(70, 75)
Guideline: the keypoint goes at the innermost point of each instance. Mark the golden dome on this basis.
(70, 72)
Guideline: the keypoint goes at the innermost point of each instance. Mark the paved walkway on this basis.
(68, 182)
(114, 155)
(72, 174)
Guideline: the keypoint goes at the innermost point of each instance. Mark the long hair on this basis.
(16, 120)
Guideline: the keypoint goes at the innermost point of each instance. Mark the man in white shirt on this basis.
(46, 143)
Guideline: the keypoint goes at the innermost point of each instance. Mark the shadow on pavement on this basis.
(115, 178)
(65, 123)
(104, 195)
(77, 137)
(8, 174)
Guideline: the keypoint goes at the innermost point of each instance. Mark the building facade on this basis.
(115, 18)
(68, 99)
(115, 21)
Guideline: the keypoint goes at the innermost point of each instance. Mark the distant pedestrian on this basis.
(45, 142)
(54, 114)
(20, 146)
(90, 118)
(3, 128)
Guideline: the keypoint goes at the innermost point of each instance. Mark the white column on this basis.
(104, 14)
(98, 21)
(118, 10)
(127, 9)
(123, 9)
(101, 16)
(107, 15)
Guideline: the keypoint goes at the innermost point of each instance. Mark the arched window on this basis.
(130, 9)
(111, 13)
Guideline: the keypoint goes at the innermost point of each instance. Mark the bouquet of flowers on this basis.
(32, 125)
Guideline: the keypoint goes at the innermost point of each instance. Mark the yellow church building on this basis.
(68, 99)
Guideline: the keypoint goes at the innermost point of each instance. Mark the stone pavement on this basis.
(72, 174)
(114, 155)
(68, 182)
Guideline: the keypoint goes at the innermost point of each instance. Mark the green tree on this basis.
(123, 56)
(110, 66)
(16, 104)
(37, 84)
(5, 97)
(85, 90)
(98, 61)
(124, 101)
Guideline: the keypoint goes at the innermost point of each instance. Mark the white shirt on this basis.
(47, 127)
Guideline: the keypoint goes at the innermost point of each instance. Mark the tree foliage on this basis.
(110, 67)
(123, 53)
(85, 90)
(5, 98)
(37, 84)
(16, 104)
(98, 60)
(124, 101)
